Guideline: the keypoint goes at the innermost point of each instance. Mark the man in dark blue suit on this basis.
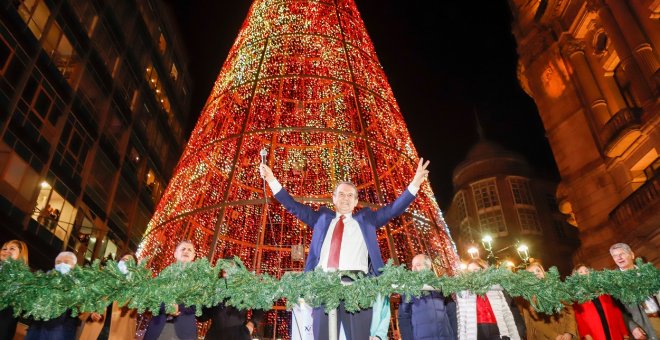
(345, 241)
(429, 317)
(182, 324)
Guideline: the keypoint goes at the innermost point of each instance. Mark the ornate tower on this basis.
(593, 67)
(303, 81)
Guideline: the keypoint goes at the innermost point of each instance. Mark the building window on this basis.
(154, 185)
(460, 206)
(529, 221)
(492, 222)
(485, 194)
(61, 52)
(35, 13)
(53, 212)
(652, 170)
(17, 173)
(489, 210)
(162, 44)
(520, 190)
(86, 13)
(174, 73)
(624, 84)
(6, 53)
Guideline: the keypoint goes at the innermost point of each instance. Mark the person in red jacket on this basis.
(600, 318)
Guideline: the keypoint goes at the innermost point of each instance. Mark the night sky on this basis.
(444, 60)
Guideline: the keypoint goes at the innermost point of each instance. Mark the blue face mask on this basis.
(121, 265)
(63, 268)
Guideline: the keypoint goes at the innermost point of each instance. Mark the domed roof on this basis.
(485, 149)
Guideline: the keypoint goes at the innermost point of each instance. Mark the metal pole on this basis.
(332, 325)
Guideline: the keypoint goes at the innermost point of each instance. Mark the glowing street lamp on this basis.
(474, 252)
(523, 252)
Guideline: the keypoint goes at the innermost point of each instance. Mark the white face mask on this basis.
(121, 265)
(63, 268)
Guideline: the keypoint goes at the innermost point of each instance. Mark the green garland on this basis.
(89, 289)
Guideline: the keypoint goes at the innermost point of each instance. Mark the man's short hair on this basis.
(334, 192)
(623, 246)
(69, 254)
(185, 242)
(427, 260)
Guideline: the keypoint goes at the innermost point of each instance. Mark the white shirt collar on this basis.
(347, 216)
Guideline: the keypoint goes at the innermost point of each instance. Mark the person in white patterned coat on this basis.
(489, 317)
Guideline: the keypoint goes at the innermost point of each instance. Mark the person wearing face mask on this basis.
(117, 323)
(15, 250)
(180, 325)
(558, 326)
(64, 326)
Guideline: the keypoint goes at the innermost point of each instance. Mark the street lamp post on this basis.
(491, 257)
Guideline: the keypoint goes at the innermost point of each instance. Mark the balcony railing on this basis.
(645, 198)
(620, 131)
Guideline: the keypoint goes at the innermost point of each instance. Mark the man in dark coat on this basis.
(429, 317)
(182, 324)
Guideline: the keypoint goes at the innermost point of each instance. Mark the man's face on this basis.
(185, 253)
(67, 259)
(623, 259)
(418, 264)
(345, 199)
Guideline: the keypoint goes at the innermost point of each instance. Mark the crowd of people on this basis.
(496, 315)
(346, 241)
(434, 315)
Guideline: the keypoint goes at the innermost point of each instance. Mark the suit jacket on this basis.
(428, 317)
(635, 316)
(59, 328)
(185, 324)
(228, 323)
(369, 221)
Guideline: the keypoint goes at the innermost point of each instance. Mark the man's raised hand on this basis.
(266, 173)
(421, 173)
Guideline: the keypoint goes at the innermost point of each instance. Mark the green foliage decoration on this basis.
(90, 289)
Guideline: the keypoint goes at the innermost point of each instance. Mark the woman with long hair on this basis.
(548, 326)
(492, 316)
(16, 250)
(600, 318)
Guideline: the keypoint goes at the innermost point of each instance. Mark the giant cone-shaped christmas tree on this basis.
(303, 81)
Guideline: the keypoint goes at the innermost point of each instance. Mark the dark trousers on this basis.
(356, 325)
(489, 331)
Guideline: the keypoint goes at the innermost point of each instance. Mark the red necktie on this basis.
(335, 244)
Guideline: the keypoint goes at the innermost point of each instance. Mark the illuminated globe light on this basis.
(474, 252)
